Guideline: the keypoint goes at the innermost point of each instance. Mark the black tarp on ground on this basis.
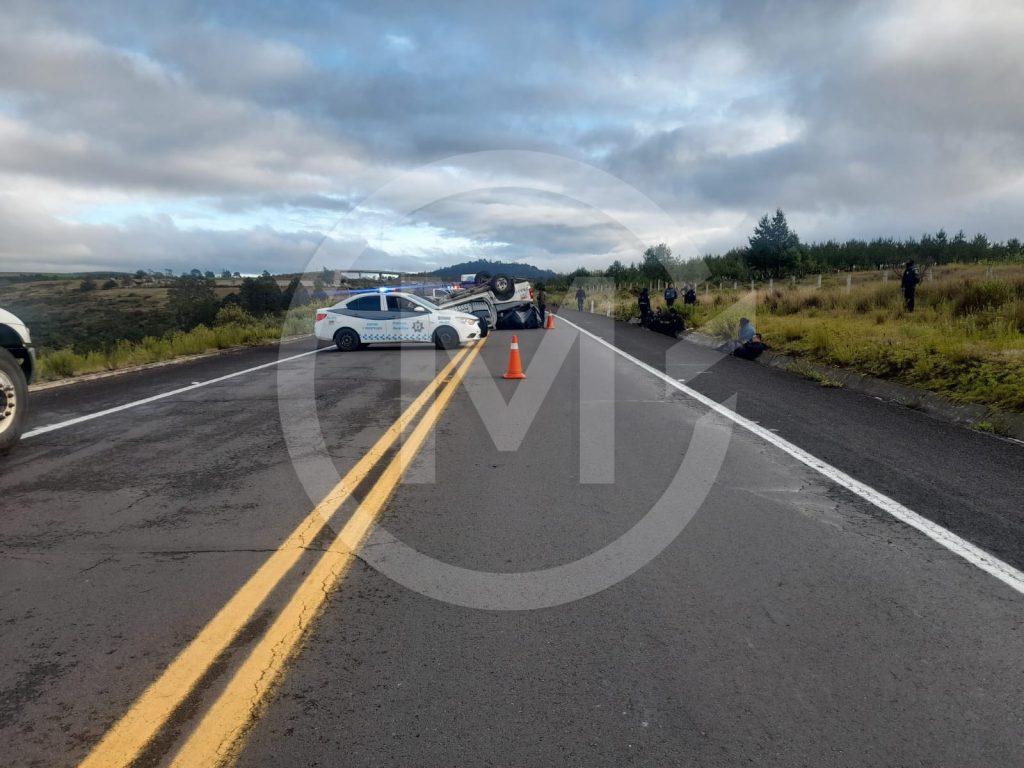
(519, 319)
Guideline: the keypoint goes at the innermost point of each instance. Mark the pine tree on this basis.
(774, 248)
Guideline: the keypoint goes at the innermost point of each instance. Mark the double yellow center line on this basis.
(214, 738)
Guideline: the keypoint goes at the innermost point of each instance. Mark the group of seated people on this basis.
(747, 345)
(667, 321)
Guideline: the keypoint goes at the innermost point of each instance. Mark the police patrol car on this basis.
(386, 317)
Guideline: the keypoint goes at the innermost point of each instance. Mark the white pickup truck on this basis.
(17, 368)
(487, 297)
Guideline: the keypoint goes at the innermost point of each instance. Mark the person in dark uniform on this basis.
(581, 296)
(690, 295)
(909, 283)
(644, 300)
(541, 298)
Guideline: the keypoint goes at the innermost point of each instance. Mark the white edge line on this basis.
(976, 556)
(161, 396)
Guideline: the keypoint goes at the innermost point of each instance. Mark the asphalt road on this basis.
(554, 604)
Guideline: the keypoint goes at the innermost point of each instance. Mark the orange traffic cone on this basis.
(515, 365)
(550, 326)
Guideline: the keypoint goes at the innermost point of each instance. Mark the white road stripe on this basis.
(161, 396)
(969, 552)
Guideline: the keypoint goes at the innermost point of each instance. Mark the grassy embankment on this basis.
(234, 328)
(965, 339)
(80, 332)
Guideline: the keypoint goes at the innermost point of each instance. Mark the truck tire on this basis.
(347, 340)
(445, 337)
(13, 401)
(503, 287)
(485, 321)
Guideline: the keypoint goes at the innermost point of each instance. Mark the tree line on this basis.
(774, 250)
(193, 300)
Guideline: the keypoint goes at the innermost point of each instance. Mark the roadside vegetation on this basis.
(965, 339)
(89, 324)
(841, 304)
(232, 327)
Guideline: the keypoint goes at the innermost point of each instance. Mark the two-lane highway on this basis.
(634, 579)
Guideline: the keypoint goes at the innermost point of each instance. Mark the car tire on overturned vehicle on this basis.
(503, 287)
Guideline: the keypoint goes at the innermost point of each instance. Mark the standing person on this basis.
(689, 295)
(541, 297)
(671, 295)
(909, 283)
(644, 300)
(581, 296)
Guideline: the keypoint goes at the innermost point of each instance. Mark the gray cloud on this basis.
(859, 118)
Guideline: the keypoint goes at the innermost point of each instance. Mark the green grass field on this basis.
(964, 340)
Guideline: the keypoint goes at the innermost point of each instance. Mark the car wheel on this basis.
(13, 401)
(446, 338)
(503, 287)
(481, 278)
(346, 340)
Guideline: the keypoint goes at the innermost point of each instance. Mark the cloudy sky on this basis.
(266, 135)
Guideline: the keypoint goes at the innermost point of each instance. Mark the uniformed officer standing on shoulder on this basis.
(909, 283)
(541, 297)
(644, 301)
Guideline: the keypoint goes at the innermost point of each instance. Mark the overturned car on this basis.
(499, 300)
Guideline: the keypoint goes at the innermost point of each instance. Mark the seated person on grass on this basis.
(751, 350)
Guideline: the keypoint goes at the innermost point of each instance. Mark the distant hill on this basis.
(514, 268)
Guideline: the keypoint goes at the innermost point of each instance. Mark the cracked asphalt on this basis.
(789, 623)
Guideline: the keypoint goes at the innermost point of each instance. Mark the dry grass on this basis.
(965, 338)
(234, 328)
